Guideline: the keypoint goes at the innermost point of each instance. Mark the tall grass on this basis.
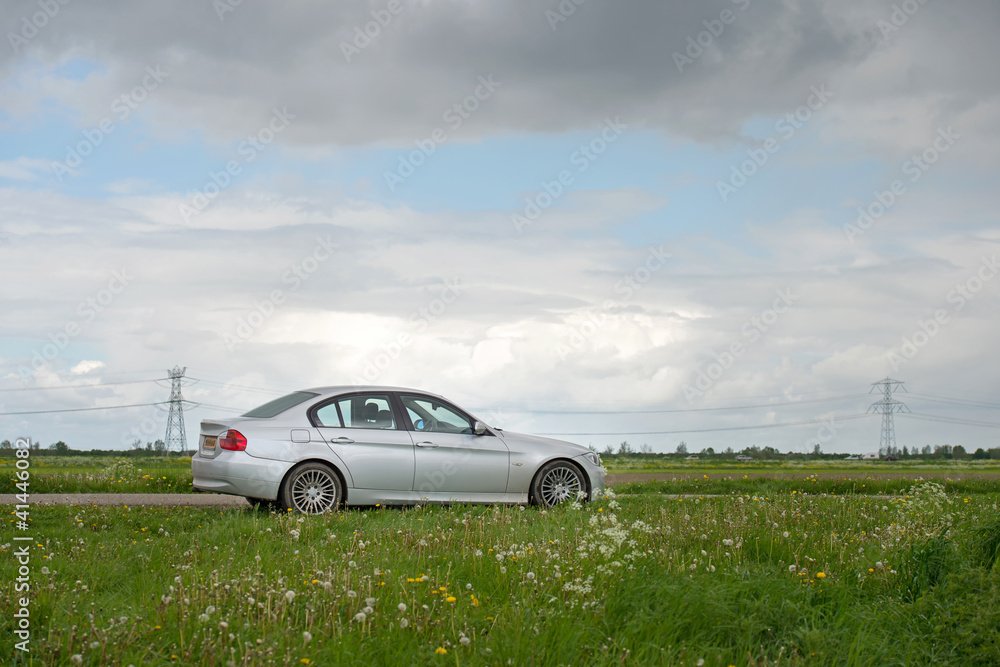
(642, 579)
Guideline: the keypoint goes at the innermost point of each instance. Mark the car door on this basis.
(448, 456)
(364, 430)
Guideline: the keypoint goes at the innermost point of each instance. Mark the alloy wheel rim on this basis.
(558, 485)
(314, 492)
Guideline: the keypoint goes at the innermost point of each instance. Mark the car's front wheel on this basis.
(556, 482)
(312, 488)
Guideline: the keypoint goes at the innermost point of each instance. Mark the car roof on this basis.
(346, 388)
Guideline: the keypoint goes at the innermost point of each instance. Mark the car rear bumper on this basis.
(238, 474)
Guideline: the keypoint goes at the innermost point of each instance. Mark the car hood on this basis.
(536, 443)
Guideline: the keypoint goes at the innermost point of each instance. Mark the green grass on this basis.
(98, 474)
(154, 474)
(778, 486)
(729, 466)
(641, 579)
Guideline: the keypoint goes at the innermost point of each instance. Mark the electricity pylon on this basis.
(175, 420)
(888, 406)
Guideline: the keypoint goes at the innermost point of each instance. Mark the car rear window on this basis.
(279, 405)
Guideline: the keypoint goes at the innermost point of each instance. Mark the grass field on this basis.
(154, 474)
(790, 579)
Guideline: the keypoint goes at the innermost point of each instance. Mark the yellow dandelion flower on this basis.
(440, 650)
(450, 598)
(820, 575)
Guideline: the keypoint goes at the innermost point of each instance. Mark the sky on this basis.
(716, 222)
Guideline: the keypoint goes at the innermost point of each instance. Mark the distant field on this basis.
(711, 466)
(102, 474)
(154, 474)
(797, 579)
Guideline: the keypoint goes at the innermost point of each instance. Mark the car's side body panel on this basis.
(376, 458)
(458, 463)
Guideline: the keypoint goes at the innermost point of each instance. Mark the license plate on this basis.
(210, 442)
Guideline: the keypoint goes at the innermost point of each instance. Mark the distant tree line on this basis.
(627, 450)
(60, 448)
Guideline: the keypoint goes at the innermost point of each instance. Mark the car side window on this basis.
(328, 416)
(431, 416)
(367, 411)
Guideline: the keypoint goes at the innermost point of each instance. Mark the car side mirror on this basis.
(479, 428)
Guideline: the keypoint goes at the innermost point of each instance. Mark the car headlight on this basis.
(594, 458)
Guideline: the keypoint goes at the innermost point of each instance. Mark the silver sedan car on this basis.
(317, 449)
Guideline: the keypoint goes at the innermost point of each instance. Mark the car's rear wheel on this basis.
(557, 482)
(312, 488)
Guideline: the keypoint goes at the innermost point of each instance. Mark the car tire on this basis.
(311, 488)
(556, 482)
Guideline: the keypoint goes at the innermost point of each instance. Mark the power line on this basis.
(105, 407)
(955, 401)
(81, 386)
(724, 428)
(953, 420)
(665, 411)
(240, 386)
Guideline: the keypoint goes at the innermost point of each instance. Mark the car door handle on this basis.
(342, 440)
(426, 443)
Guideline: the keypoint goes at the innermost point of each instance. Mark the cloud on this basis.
(22, 169)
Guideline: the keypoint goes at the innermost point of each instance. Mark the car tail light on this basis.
(233, 440)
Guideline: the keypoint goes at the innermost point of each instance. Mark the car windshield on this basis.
(279, 405)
